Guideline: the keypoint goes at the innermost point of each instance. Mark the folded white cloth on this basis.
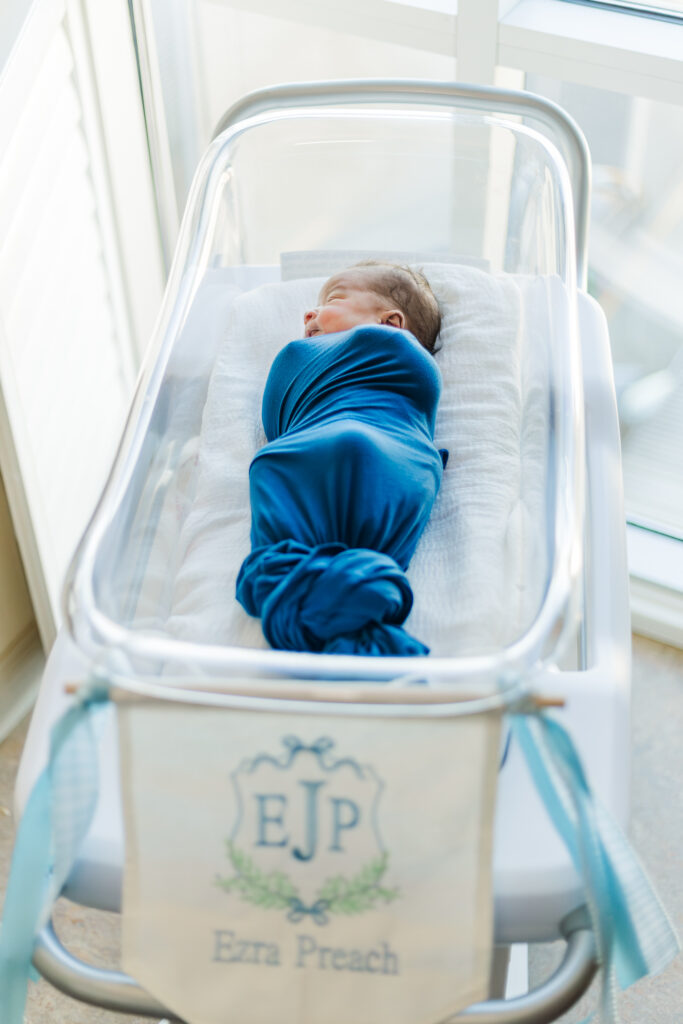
(480, 570)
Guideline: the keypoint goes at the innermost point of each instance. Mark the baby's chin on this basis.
(316, 331)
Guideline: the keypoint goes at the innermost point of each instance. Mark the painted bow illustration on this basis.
(299, 910)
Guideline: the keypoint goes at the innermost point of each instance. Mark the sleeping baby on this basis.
(344, 487)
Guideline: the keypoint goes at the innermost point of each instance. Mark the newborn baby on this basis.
(343, 490)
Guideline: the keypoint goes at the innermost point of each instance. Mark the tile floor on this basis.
(656, 831)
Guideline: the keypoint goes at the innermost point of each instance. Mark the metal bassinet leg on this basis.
(115, 991)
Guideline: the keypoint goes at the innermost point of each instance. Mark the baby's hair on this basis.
(410, 291)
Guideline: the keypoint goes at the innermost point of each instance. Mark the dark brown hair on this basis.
(410, 291)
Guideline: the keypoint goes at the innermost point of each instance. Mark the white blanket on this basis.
(480, 571)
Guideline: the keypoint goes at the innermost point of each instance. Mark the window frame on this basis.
(617, 50)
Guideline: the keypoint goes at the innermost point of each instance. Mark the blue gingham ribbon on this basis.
(633, 934)
(55, 821)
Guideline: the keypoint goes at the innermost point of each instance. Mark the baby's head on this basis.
(377, 293)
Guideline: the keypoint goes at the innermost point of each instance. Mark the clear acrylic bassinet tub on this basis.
(301, 182)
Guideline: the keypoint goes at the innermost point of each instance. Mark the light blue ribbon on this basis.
(55, 820)
(633, 934)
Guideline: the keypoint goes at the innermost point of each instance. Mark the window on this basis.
(635, 270)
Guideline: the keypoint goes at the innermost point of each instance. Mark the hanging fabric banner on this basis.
(302, 868)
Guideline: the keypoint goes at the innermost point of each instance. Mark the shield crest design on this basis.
(306, 835)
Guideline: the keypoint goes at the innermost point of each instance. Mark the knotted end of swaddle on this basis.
(328, 598)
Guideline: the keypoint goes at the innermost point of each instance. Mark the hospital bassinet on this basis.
(299, 181)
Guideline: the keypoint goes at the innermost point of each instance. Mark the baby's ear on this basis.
(394, 318)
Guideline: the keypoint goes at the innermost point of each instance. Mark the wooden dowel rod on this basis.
(327, 693)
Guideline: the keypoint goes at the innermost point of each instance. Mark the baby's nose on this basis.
(311, 315)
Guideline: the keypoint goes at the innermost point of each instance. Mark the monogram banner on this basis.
(307, 869)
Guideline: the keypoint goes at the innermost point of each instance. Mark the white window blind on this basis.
(65, 353)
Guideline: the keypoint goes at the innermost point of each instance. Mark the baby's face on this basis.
(345, 302)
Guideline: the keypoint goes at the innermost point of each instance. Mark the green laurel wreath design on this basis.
(359, 893)
(275, 890)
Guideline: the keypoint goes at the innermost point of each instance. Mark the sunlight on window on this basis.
(635, 272)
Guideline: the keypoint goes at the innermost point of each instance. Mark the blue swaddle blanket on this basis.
(342, 491)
